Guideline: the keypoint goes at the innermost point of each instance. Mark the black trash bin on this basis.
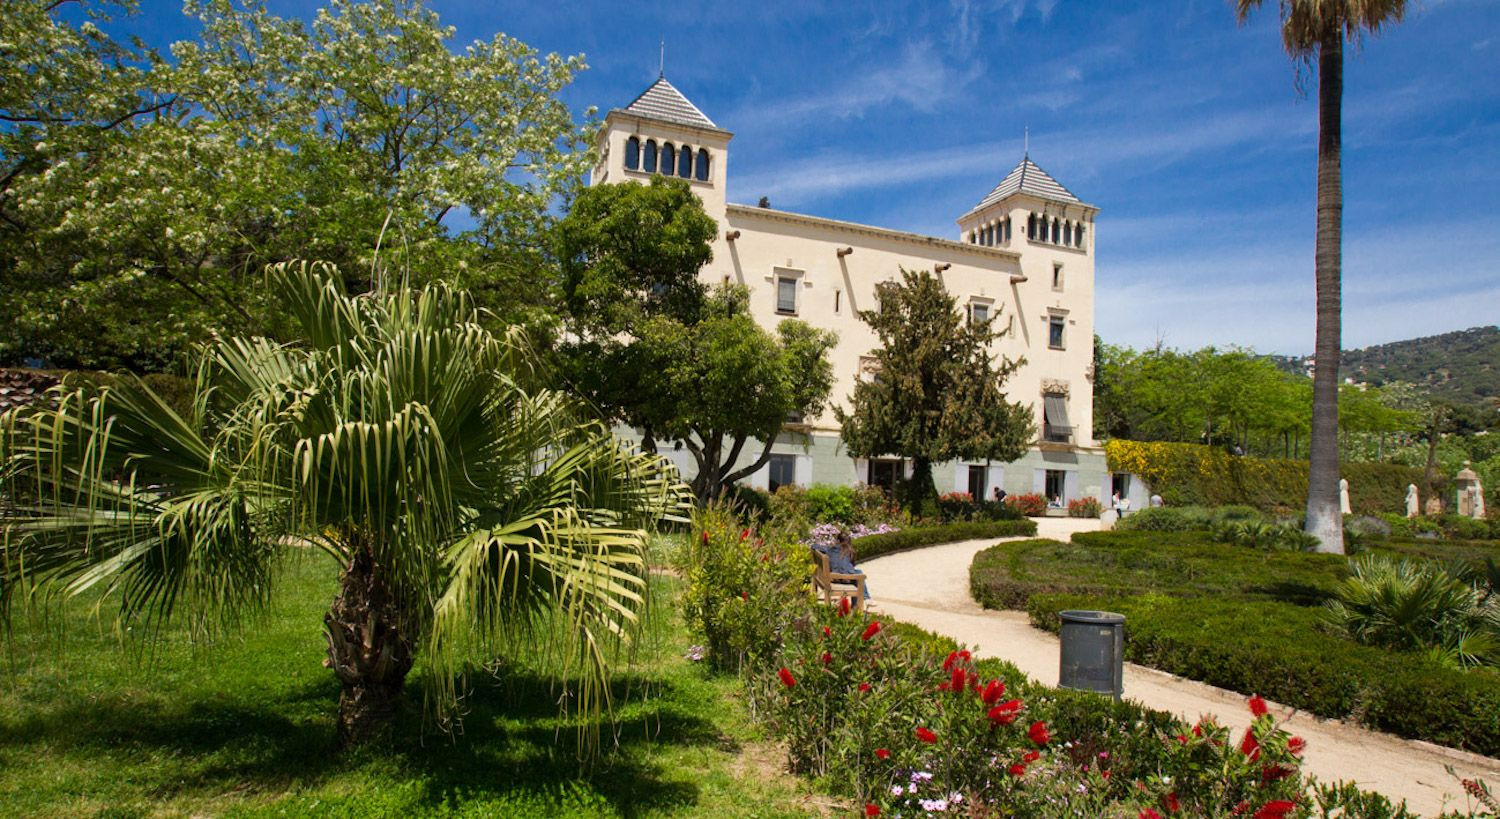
(1093, 652)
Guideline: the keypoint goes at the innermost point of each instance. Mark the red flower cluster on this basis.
(1018, 769)
(1296, 745)
(1250, 747)
(1171, 803)
(993, 692)
(1257, 706)
(1149, 813)
(1005, 713)
(826, 658)
(955, 657)
(864, 688)
(872, 810)
(844, 607)
(925, 735)
(882, 753)
(786, 677)
(1276, 809)
(1038, 733)
(871, 630)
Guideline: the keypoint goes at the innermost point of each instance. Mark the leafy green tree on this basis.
(938, 394)
(472, 512)
(1318, 28)
(362, 138)
(656, 350)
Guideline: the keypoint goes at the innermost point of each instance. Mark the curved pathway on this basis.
(929, 587)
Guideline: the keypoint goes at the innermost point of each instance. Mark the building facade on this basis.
(1024, 256)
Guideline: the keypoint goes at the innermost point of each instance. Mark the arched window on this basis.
(1078, 235)
(1031, 226)
(1007, 228)
(702, 165)
(685, 162)
(668, 159)
(1056, 230)
(650, 156)
(633, 153)
(1068, 233)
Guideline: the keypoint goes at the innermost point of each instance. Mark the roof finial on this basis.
(661, 71)
(1027, 150)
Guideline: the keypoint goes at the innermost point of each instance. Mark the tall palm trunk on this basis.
(1323, 518)
(368, 649)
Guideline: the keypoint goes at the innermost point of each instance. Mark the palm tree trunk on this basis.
(1323, 518)
(368, 649)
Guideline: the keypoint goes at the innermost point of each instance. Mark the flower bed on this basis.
(932, 535)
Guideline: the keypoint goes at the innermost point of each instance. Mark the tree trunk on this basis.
(1323, 518)
(920, 488)
(368, 649)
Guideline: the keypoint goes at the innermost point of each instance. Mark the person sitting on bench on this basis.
(841, 557)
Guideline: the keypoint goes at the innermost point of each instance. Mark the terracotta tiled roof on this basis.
(665, 102)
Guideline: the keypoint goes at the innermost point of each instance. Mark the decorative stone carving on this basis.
(1344, 508)
(869, 367)
(1413, 505)
(1055, 386)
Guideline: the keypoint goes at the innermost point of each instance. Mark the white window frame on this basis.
(987, 304)
(792, 277)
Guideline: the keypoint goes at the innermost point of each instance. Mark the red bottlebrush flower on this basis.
(1182, 738)
(1005, 713)
(993, 692)
(1038, 733)
(1030, 757)
(956, 685)
(744, 534)
(926, 735)
(1198, 730)
(827, 632)
(745, 596)
(1104, 774)
(871, 630)
(1149, 813)
(872, 810)
(948, 663)
(1250, 747)
(704, 537)
(882, 753)
(1274, 773)
(786, 677)
(826, 658)
(1018, 770)
(843, 606)
(1240, 808)
(1171, 803)
(1257, 706)
(1275, 809)
(864, 688)
(1296, 745)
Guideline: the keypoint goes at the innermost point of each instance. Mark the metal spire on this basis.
(661, 71)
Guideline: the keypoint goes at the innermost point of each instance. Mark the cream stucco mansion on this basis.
(1025, 254)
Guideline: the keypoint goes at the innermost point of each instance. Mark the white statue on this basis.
(1413, 505)
(1478, 501)
(1344, 497)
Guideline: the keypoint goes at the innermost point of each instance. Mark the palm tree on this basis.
(470, 511)
(1309, 28)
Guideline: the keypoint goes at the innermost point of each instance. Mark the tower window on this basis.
(1057, 277)
(1056, 231)
(979, 312)
(786, 294)
(685, 163)
(650, 156)
(668, 159)
(1078, 236)
(632, 153)
(1031, 227)
(702, 164)
(1056, 326)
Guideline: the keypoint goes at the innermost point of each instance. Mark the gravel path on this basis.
(930, 587)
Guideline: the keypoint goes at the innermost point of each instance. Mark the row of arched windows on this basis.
(994, 233)
(1057, 231)
(667, 159)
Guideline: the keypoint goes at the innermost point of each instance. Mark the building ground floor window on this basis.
(978, 488)
(783, 471)
(1055, 487)
(884, 472)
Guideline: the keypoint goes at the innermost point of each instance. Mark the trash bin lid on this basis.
(1094, 618)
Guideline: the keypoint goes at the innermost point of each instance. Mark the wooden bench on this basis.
(834, 586)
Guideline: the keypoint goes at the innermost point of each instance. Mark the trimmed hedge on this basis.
(875, 545)
(1197, 475)
(1276, 649)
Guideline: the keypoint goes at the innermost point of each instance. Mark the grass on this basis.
(244, 727)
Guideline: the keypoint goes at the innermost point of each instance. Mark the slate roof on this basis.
(1027, 177)
(663, 101)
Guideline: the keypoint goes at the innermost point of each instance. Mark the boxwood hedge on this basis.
(875, 545)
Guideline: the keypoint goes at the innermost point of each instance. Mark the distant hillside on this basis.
(1462, 367)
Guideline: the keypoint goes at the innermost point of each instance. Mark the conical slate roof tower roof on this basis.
(663, 101)
(1028, 177)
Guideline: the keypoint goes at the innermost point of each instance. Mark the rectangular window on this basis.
(979, 312)
(1121, 484)
(884, 474)
(783, 471)
(1055, 426)
(1057, 277)
(1055, 327)
(786, 295)
(1054, 487)
(976, 483)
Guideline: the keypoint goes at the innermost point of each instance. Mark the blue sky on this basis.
(1185, 129)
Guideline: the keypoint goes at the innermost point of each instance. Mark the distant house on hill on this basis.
(1024, 253)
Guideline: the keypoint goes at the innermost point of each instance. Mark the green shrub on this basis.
(743, 587)
(1029, 505)
(1196, 475)
(1084, 508)
(752, 505)
(874, 545)
(1418, 606)
(827, 503)
(1259, 534)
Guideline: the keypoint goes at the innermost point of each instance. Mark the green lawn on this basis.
(244, 728)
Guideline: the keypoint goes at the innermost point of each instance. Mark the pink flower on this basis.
(786, 677)
(1257, 706)
(926, 735)
(871, 630)
(1038, 733)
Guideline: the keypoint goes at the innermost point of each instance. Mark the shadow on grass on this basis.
(1291, 591)
(514, 741)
